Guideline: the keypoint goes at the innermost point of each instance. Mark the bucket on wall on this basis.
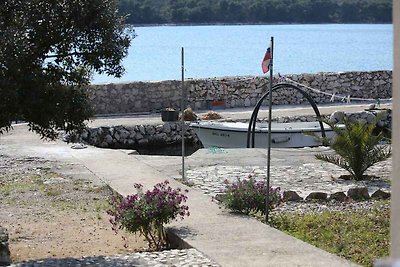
(169, 115)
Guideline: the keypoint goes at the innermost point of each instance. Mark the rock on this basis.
(142, 130)
(338, 196)
(150, 129)
(111, 131)
(219, 197)
(358, 193)
(117, 136)
(84, 134)
(108, 139)
(143, 142)
(132, 135)
(337, 117)
(100, 131)
(317, 196)
(368, 117)
(247, 102)
(167, 127)
(5, 258)
(103, 144)
(379, 194)
(124, 134)
(160, 138)
(138, 136)
(291, 196)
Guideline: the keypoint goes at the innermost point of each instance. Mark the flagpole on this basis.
(182, 116)
(269, 131)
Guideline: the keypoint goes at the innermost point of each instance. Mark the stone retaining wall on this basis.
(169, 133)
(139, 136)
(234, 91)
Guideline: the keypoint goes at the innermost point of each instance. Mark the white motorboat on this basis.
(284, 135)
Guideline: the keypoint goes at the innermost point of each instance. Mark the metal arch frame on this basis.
(252, 123)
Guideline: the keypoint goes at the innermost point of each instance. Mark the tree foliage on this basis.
(48, 50)
(257, 11)
(357, 147)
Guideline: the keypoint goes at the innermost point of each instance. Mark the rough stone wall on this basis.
(138, 136)
(135, 97)
(235, 91)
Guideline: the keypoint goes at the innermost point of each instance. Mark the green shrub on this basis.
(249, 195)
(357, 147)
(146, 213)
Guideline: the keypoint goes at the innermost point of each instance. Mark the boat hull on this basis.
(283, 135)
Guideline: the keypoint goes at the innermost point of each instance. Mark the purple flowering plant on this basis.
(146, 212)
(249, 196)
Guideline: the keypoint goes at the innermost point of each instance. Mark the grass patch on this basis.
(64, 205)
(101, 205)
(52, 192)
(81, 206)
(359, 236)
(98, 189)
(17, 187)
(29, 183)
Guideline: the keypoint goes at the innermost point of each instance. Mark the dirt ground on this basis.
(57, 210)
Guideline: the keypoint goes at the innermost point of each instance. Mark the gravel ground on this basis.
(317, 207)
(299, 172)
(55, 214)
(304, 176)
(188, 257)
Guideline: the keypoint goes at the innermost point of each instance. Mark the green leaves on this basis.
(48, 50)
(249, 196)
(147, 212)
(356, 147)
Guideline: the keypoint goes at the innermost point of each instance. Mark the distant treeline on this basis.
(256, 11)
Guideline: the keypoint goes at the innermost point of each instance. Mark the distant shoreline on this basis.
(246, 24)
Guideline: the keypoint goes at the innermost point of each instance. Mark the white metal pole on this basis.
(269, 129)
(182, 117)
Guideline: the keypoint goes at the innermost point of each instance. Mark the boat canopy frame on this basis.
(254, 115)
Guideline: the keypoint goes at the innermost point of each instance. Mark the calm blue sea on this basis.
(215, 51)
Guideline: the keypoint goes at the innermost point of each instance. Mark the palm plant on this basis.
(357, 147)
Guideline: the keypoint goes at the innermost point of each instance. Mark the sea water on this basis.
(237, 50)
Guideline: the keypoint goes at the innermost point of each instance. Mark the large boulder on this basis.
(358, 193)
(317, 196)
(338, 196)
(337, 117)
(291, 196)
(380, 194)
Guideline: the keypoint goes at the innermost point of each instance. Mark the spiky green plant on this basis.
(357, 147)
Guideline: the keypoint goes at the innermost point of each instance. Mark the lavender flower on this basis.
(146, 213)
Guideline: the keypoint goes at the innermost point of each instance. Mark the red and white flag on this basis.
(267, 60)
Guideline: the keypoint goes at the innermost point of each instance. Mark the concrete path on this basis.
(230, 240)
